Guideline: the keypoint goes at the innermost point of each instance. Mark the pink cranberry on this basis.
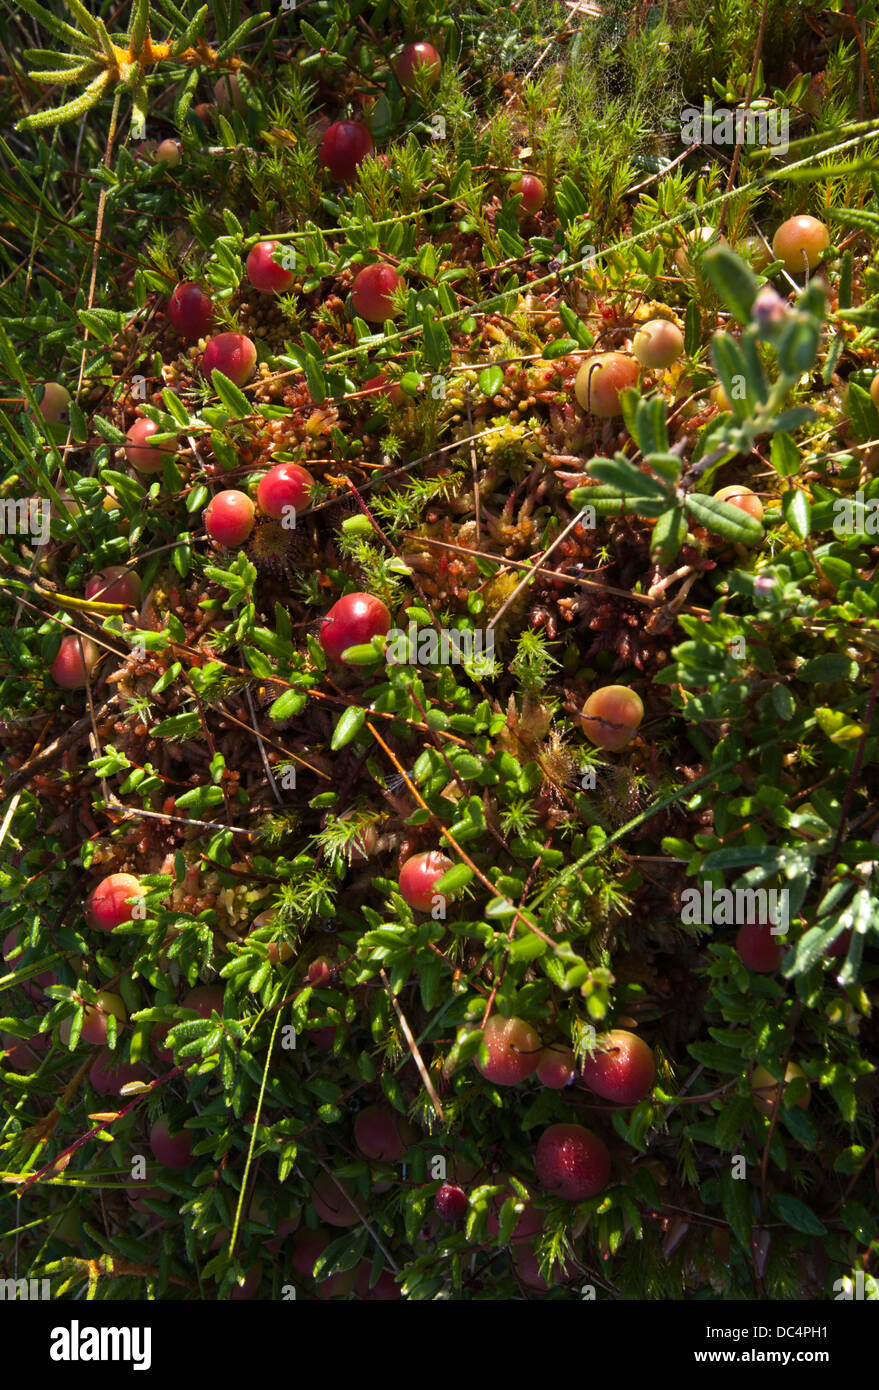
(229, 517)
(372, 290)
(451, 1202)
(190, 311)
(286, 485)
(107, 907)
(263, 270)
(233, 354)
(352, 622)
(73, 665)
(141, 455)
(115, 584)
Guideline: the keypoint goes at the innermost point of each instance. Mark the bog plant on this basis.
(292, 909)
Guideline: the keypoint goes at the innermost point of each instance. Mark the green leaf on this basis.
(627, 477)
(832, 666)
(692, 329)
(437, 344)
(669, 534)
(559, 347)
(734, 281)
(862, 412)
(288, 705)
(798, 344)
(453, 879)
(796, 1214)
(235, 401)
(730, 522)
(785, 455)
(491, 380)
(797, 512)
(348, 727)
(575, 326)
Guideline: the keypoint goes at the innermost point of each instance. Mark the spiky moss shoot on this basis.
(557, 760)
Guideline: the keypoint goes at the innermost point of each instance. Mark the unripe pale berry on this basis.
(344, 146)
(717, 396)
(263, 270)
(228, 94)
(601, 381)
(286, 485)
(351, 622)
(768, 1091)
(611, 716)
(422, 58)
(874, 390)
(532, 190)
(229, 517)
(514, 1051)
(418, 878)
(757, 252)
(115, 584)
(74, 662)
(799, 243)
(759, 949)
(377, 1134)
(372, 290)
(190, 310)
(699, 238)
(53, 402)
(143, 456)
(170, 1150)
(556, 1067)
(107, 905)
(623, 1068)
(169, 152)
(742, 497)
(233, 354)
(571, 1162)
(658, 343)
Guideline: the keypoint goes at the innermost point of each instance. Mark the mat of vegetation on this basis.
(440, 649)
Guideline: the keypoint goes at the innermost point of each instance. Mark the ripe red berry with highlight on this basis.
(377, 1134)
(109, 1073)
(107, 907)
(623, 1068)
(233, 354)
(190, 311)
(229, 517)
(572, 1162)
(171, 1150)
(344, 146)
(331, 1204)
(611, 716)
(418, 57)
(556, 1067)
(532, 190)
(74, 664)
(372, 290)
(351, 622)
(758, 947)
(450, 1202)
(143, 456)
(418, 878)
(601, 381)
(263, 270)
(114, 584)
(320, 972)
(514, 1051)
(800, 242)
(286, 485)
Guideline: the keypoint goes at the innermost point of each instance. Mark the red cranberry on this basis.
(144, 457)
(418, 877)
(532, 190)
(107, 905)
(229, 517)
(353, 621)
(758, 947)
(72, 665)
(233, 354)
(451, 1202)
(372, 290)
(263, 270)
(344, 146)
(285, 485)
(115, 584)
(418, 57)
(190, 310)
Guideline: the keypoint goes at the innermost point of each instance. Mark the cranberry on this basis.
(556, 1067)
(233, 354)
(743, 498)
(623, 1068)
(190, 311)
(73, 664)
(94, 1025)
(572, 1162)
(144, 457)
(107, 905)
(840, 946)
(171, 1150)
(601, 381)
(514, 1051)
(800, 242)
(418, 57)
(115, 584)
(54, 401)
(227, 94)
(353, 621)
(451, 1202)
(532, 190)
(611, 716)
(169, 152)
(109, 1074)
(229, 517)
(658, 343)
(418, 877)
(263, 270)
(758, 948)
(372, 290)
(344, 146)
(285, 485)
